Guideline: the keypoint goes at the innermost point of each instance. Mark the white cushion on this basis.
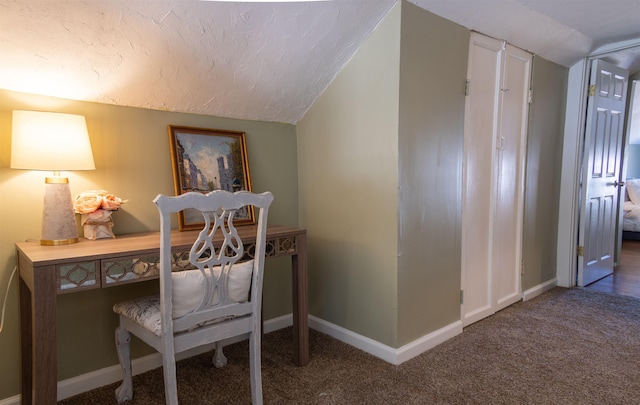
(633, 189)
(188, 287)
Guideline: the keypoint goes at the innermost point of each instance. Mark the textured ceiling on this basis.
(257, 61)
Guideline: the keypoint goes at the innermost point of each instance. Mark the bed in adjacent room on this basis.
(631, 207)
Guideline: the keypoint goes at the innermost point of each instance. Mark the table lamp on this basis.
(52, 142)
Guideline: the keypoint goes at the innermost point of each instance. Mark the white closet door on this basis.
(480, 130)
(510, 159)
(493, 186)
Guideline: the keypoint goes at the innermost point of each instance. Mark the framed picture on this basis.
(204, 160)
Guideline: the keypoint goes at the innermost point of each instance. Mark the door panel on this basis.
(485, 56)
(601, 171)
(507, 234)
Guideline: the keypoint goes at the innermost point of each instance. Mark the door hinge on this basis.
(592, 90)
(522, 267)
(580, 250)
(461, 297)
(530, 96)
(466, 88)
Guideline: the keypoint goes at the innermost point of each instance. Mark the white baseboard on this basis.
(275, 324)
(14, 400)
(108, 375)
(384, 352)
(539, 289)
(419, 346)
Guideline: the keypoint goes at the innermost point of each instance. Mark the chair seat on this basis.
(144, 311)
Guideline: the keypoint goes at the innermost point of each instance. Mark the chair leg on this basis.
(255, 367)
(219, 359)
(123, 339)
(170, 378)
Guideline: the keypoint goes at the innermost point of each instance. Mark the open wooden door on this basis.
(601, 171)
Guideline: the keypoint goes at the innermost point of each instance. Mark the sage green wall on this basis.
(633, 161)
(396, 113)
(632, 156)
(131, 152)
(433, 68)
(543, 166)
(347, 168)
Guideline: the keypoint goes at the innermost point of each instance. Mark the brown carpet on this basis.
(567, 346)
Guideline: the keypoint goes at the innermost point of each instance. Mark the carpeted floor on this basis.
(567, 346)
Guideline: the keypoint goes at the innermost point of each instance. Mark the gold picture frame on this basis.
(204, 160)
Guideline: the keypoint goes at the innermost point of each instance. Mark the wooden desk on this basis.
(46, 271)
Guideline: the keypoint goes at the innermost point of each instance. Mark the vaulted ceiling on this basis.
(257, 60)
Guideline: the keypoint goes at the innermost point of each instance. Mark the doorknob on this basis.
(618, 184)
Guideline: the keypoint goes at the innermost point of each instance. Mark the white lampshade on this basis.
(50, 141)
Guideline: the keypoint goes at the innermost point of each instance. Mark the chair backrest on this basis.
(218, 284)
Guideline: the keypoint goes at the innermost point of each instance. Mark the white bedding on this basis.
(631, 221)
(631, 207)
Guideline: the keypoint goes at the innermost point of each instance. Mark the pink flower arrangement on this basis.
(91, 201)
(96, 207)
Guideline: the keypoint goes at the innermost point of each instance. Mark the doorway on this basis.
(625, 280)
(629, 221)
(573, 141)
(601, 180)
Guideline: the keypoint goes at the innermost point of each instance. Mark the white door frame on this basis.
(575, 116)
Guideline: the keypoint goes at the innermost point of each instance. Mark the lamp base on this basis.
(58, 242)
(58, 219)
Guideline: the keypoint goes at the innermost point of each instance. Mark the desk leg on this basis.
(300, 304)
(38, 338)
(25, 341)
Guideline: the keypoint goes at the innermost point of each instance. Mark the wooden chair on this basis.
(207, 303)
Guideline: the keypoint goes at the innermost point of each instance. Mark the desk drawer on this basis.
(128, 269)
(134, 268)
(74, 277)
